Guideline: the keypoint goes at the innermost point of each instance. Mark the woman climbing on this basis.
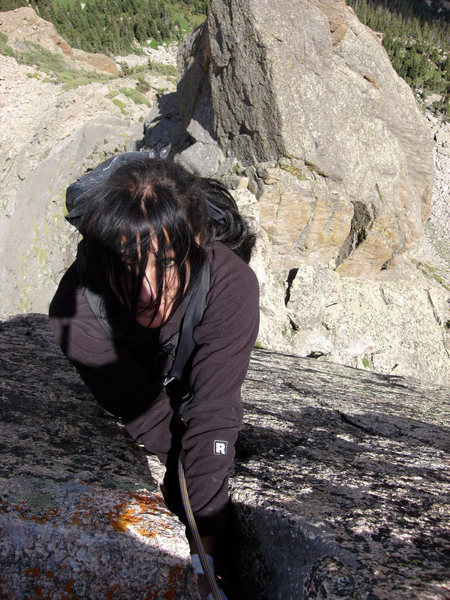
(162, 272)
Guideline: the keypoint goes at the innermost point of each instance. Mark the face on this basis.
(149, 290)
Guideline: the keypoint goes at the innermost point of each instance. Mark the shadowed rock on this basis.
(342, 484)
(339, 491)
(80, 515)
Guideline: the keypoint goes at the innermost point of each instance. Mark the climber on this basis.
(157, 241)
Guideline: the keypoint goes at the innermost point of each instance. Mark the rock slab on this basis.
(341, 488)
(80, 515)
(342, 485)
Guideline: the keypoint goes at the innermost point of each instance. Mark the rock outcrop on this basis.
(312, 89)
(398, 323)
(333, 145)
(339, 490)
(24, 25)
(80, 515)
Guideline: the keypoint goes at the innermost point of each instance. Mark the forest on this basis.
(117, 26)
(415, 33)
(416, 37)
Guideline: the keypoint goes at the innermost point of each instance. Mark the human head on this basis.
(147, 206)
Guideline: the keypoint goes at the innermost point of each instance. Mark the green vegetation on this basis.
(4, 48)
(121, 105)
(135, 95)
(416, 38)
(52, 64)
(430, 271)
(294, 171)
(157, 68)
(151, 68)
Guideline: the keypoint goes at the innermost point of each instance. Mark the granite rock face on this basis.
(340, 490)
(310, 88)
(342, 486)
(80, 514)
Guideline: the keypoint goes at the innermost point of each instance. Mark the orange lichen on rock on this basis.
(34, 572)
(175, 575)
(131, 513)
(82, 513)
(111, 593)
(45, 517)
(69, 590)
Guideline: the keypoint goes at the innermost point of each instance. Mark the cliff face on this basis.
(340, 159)
(312, 224)
(339, 490)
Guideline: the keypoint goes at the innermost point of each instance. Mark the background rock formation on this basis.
(339, 490)
(339, 157)
(311, 85)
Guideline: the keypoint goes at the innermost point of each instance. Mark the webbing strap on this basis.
(192, 318)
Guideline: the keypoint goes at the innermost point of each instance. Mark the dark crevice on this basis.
(243, 130)
(349, 421)
(293, 325)
(363, 217)
(291, 276)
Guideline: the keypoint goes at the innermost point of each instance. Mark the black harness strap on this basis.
(174, 383)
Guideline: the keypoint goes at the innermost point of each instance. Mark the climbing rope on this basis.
(195, 534)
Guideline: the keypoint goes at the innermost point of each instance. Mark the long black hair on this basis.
(150, 205)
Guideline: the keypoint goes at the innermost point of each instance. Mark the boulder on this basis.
(338, 492)
(80, 514)
(202, 159)
(312, 89)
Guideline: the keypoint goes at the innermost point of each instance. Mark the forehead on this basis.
(135, 247)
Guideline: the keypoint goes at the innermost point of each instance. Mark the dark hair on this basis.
(153, 200)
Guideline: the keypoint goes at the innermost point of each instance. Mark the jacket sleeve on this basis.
(224, 338)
